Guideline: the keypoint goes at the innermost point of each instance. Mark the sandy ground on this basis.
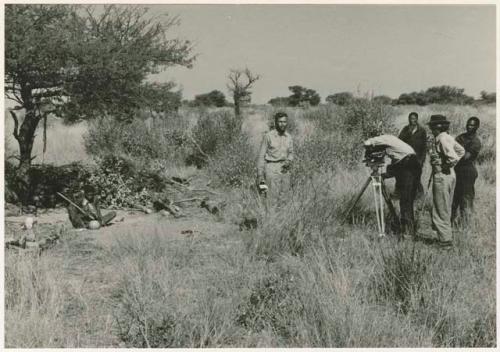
(194, 221)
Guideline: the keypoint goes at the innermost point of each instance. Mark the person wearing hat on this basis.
(406, 169)
(415, 135)
(275, 158)
(463, 198)
(446, 153)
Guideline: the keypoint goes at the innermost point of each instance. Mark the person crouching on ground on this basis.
(446, 152)
(275, 159)
(91, 210)
(406, 168)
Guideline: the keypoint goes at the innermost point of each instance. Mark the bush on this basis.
(212, 132)
(336, 141)
(436, 95)
(119, 183)
(43, 181)
(234, 165)
(340, 99)
(153, 138)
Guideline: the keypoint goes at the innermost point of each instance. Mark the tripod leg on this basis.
(389, 203)
(377, 197)
(382, 218)
(356, 200)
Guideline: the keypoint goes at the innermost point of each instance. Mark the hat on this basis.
(438, 120)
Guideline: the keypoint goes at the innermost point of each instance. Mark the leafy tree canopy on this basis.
(78, 63)
(301, 95)
(341, 99)
(213, 98)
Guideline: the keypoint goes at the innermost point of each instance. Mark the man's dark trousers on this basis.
(407, 172)
(463, 198)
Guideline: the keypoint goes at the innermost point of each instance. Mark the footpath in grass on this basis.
(67, 296)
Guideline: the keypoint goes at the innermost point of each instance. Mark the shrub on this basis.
(340, 99)
(119, 183)
(154, 138)
(213, 131)
(403, 270)
(234, 165)
(43, 181)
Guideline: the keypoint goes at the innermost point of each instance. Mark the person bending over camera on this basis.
(406, 168)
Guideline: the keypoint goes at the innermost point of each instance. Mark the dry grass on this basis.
(299, 280)
(65, 144)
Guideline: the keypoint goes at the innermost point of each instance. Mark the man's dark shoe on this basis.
(424, 239)
(444, 245)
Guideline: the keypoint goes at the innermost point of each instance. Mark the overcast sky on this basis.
(332, 48)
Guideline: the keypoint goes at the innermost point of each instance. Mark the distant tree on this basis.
(214, 98)
(383, 99)
(279, 101)
(240, 83)
(301, 95)
(70, 62)
(340, 99)
(436, 95)
(159, 98)
(448, 95)
(488, 98)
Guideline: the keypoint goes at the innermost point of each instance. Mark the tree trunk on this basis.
(26, 134)
(26, 137)
(237, 112)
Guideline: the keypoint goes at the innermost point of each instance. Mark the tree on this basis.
(383, 99)
(340, 99)
(69, 62)
(240, 83)
(436, 95)
(279, 101)
(488, 98)
(158, 98)
(301, 95)
(214, 98)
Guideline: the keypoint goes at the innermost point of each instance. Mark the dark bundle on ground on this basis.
(42, 182)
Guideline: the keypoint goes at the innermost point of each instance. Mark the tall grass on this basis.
(299, 279)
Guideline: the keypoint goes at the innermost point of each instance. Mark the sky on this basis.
(383, 49)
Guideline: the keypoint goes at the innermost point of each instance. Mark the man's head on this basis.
(280, 121)
(472, 125)
(438, 124)
(413, 118)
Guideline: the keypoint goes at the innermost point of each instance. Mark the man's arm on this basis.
(402, 134)
(474, 149)
(452, 150)
(261, 159)
(421, 147)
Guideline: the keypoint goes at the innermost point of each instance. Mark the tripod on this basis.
(379, 194)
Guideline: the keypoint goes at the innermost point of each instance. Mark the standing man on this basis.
(466, 171)
(446, 153)
(407, 170)
(415, 135)
(275, 158)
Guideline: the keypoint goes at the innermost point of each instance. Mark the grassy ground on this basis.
(299, 280)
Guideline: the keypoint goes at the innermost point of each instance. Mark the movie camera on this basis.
(375, 159)
(374, 156)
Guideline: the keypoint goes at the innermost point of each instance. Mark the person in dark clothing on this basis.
(406, 168)
(463, 198)
(415, 135)
(91, 208)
